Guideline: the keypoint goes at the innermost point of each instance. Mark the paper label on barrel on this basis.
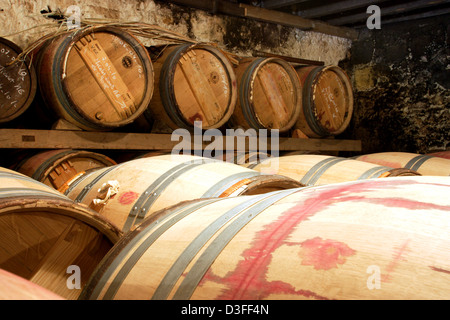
(106, 75)
(14, 82)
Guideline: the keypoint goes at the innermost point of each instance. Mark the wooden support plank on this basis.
(287, 58)
(298, 22)
(59, 139)
(272, 16)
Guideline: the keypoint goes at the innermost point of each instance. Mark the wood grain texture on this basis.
(197, 83)
(371, 239)
(327, 101)
(149, 184)
(269, 94)
(97, 79)
(424, 164)
(17, 82)
(311, 169)
(55, 167)
(44, 232)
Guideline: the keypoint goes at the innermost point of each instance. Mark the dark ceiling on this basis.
(352, 13)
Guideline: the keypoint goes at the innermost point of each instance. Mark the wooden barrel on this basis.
(327, 100)
(17, 82)
(97, 78)
(193, 82)
(369, 239)
(241, 157)
(310, 169)
(17, 288)
(423, 164)
(441, 154)
(269, 94)
(43, 233)
(55, 167)
(144, 186)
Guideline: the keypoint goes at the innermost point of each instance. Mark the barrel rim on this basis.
(45, 167)
(166, 84)
(246, 91)
(308, 99)
(55, 204)
(64, 96)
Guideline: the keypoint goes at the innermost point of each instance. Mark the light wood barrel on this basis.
(55, 167)
(327, 103)
(18, 82)
(17, 288)
(312, 170)
(42, 233)
(441, 154)
(269, 94)
(97, 78)
(241, 157)
(193, 83)
(369, 239)
(149, 184)
(424, 164)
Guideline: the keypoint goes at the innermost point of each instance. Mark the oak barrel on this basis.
(97, 78)
(144, 186)
(369, 239)
(18, 82)
(55, 167)
(424, 164)
(327, 100)
(17, 288)
(193, 82)
(269, 94)
(310, 169)
(43, 233)
(440, 154)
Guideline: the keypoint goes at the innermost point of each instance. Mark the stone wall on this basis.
(401, 83)
(237, 35)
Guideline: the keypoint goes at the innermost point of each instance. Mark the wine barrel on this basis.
(240, 157)
(17, 288)
(97, 78)
(327, 100)
(143, 186)
(423, 164)
(55, 167)
(368, 239)
(312, 170)
(18, 82)
(441, 154)
(43, 233)
(269, 94)
(193, 82)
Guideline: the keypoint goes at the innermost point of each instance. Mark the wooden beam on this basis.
(291, 20)
(273, 4)
(337, 7)
(272, 16)
(213, 6)
(290, 59)
(60, 139)
(385, 11)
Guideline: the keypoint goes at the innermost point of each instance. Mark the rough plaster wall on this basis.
(402, 87)
(237, 35)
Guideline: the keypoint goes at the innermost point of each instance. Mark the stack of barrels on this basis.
(78, 224)
(104, 78)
